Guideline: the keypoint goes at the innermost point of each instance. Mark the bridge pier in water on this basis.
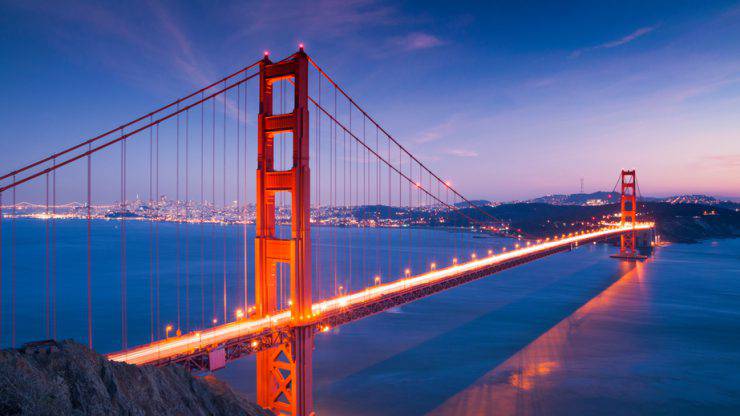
(284, 373)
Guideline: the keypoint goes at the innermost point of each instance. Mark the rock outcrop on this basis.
(66, 378)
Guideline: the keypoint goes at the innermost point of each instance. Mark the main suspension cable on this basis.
(372, 120)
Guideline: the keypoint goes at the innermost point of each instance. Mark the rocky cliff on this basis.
(66, 378)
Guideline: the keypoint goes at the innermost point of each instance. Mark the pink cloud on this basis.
(723, 161)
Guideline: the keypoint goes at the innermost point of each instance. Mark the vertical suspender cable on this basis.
(213, 207)
(364, 201)
(54, 250)
(151, 239)
(177, 214)
(317, 198)
(89, 249)
(244, 211)
(333, 196)
(187, 220)
(377, 203)
(411, 212)
(156, 231)
(351, 208)
(201, 210)
(400, 196)
(348, 258)
(13, 269)
(390, 209)
(46, 268)
(237, 252)
(223, 229)
(123, 244)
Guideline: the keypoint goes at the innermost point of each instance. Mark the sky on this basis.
(509, 100)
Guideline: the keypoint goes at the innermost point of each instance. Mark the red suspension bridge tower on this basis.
(284, 373)
(628, 205)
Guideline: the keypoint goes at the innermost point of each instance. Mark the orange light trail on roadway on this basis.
(186, 343)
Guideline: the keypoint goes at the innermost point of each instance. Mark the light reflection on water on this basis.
(518, 385)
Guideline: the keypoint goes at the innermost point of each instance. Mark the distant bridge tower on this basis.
(284, 373)
(627, 246)
(629, 212)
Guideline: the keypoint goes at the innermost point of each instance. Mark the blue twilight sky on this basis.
(509, 100)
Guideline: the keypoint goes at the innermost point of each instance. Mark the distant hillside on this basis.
(476, 202)
(702, 200)
(378, 211)
(692, 199)
(674, 222)
(602, 198)
(576, 199)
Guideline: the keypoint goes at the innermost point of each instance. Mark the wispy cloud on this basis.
(437, 132)
(323, 18)
(617, 42)
(541, 82)
(461, 152)
(703, 86)
(417, 41)
(723, 161)
(182, 55)
(153, 34)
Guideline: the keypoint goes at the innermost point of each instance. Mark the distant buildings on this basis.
(168, 210)
(596, 202)
(693, 199)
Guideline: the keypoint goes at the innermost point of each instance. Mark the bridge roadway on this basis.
(247, 336)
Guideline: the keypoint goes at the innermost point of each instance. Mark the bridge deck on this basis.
(248, 336)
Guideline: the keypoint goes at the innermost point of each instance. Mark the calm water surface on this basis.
(576, 333)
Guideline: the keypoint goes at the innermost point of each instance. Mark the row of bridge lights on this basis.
(239, 313)
(474, 256)
(433, 266)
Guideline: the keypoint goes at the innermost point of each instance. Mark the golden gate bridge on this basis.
(350, 171)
